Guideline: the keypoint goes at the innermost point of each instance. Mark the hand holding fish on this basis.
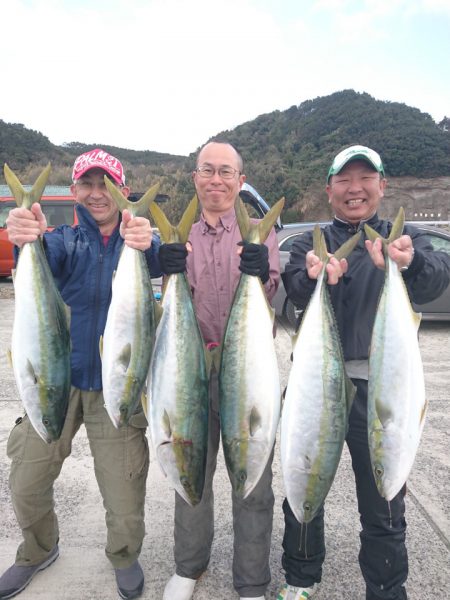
(25, 225)
(136, 231)
(335, 268)
(400, 250)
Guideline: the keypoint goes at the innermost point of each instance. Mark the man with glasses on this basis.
(83, 259)
(213, 269)
(355, 187)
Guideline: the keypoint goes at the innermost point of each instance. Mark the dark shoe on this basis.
(16, 578)
(130, 581)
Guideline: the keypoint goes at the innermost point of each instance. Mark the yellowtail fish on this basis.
(396, 405)
(318, 399)
(40, 348)
(249, 384)
(127, 343)
(177, 390)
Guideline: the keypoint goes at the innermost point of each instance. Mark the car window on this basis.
(55, 213)
(58, 214)
(286, 244)
(5, 207)
(439, 243)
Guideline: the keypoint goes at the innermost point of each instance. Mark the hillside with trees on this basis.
(286, 153)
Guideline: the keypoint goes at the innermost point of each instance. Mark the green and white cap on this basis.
(356, 153)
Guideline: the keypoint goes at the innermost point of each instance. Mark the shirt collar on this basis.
(226, 221)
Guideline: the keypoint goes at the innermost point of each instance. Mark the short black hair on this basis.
(219, 140)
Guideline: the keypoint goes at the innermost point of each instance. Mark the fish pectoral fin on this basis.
(125, 356)
(254, 421)
(158, 312)
(213, 357)
(423, 413)
(350, 392)
(166, 424)
(384, 412)
(31, 372)
(144, 403)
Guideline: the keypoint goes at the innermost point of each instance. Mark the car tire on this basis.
(292, 314)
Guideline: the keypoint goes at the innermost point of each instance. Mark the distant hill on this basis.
(289, 152)
(286, 153)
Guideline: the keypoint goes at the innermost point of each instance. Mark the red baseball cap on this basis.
(101, 160)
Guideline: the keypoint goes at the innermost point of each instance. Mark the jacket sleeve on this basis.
(429, 273)
(152, 256)
(299, 287)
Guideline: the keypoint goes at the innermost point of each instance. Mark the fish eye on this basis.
(242, 477)
(379, 471)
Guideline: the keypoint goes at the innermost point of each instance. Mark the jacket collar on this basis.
(85, 219)
(372, 221)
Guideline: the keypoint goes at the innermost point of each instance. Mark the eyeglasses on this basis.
(224, 172)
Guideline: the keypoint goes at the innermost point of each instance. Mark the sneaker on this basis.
(179, 588)
(16, 578)
(289, 592)
(130, 581)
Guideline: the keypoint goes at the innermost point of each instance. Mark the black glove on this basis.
(172, 258)
(255, 260)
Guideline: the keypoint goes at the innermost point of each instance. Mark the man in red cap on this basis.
(83, 259)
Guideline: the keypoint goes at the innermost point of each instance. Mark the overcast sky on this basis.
(166, 75)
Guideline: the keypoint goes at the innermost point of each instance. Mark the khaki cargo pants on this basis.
(121, 462)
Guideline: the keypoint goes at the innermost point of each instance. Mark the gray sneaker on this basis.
(16, 578)
(130, 581)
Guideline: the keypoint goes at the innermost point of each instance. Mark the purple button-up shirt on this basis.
(213, 272)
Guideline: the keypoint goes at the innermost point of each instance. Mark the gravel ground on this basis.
(83, 573)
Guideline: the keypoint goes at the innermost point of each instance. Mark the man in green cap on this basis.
(355, 186)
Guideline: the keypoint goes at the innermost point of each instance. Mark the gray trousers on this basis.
(121, 464)
(252, 522)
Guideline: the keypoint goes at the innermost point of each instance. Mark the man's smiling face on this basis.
(356, 191)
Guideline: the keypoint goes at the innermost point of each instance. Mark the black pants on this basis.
(383, 558)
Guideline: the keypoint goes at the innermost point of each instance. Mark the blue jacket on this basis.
(83, 268)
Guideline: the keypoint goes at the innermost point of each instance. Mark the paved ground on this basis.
(83, 573)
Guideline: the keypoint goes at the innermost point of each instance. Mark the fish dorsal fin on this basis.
(256, 232)
(22, 197)
(137, 209)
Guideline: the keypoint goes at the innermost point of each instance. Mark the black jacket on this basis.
(355, 297)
